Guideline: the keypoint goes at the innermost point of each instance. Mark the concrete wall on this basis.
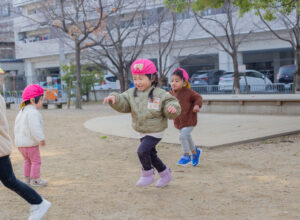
(252, 104)
(13, 66)
(101, 94)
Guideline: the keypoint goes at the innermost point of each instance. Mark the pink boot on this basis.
(147, 178)
(165, 178)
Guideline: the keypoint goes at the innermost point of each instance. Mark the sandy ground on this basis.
(92, 177)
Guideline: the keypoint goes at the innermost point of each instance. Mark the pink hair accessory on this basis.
(143, 66)
(184, 73)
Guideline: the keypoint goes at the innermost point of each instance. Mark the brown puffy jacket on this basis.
(187, 99)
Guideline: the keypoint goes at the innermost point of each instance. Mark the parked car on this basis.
(109, 82)
(199, 82)
(268, 73)
(286, 74)
(256, 81)
(210, 76)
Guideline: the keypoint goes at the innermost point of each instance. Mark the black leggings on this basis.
(9, 180)
(148, 155)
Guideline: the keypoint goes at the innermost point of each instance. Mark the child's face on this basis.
(141, 82)
(177, 83)
(37, 105)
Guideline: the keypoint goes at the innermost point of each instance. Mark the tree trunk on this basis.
(236, 82)
(95, 95)
(78, 75)
(122, 86)
(123, 83)
(126, 80)
(87, 96)
(69, 94)
(297, 73)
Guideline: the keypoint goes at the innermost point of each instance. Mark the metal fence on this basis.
(276, 88)
(13, 96)
(16, 96)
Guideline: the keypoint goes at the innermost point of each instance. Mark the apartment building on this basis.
(13, 67)
(194, 49)
(7, 49)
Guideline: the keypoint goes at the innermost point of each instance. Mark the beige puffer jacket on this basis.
(147, 117)
(5, 140)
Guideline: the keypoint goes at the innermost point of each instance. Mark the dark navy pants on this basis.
(148, 155)
(9, 180)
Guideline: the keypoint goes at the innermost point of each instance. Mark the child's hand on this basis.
(109, 98)
(196, 108)
(43, 143)
(172, 109)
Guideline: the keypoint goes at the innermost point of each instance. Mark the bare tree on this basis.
(274, 15)
(165, 36)
(77, 19)
(224, 29)
(292, 26)
(230, 44)
(123, 40)
(167, 25)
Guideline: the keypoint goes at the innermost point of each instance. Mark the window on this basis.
(4, 10)
(213, 11)
(111, 79)
(254, 74)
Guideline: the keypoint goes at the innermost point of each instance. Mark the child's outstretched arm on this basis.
(110, 98)
(172, 107)
(196, 98)
(119, 102)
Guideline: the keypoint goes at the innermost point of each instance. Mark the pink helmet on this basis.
(143, 66)
(185, 76)
(31, 91)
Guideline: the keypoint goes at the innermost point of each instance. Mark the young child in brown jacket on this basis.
(190, 103)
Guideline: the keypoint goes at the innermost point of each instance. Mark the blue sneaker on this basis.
(196, 157)
(184, 160)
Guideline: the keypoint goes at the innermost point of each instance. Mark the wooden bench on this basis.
(58, 105)
(8, 104)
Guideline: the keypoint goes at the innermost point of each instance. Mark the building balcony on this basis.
(26, 49)
(20, 3)
(30, 23)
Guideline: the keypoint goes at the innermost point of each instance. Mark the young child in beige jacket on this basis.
(150, 108)
(39, 206)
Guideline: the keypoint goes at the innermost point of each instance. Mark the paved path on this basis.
(212, 130)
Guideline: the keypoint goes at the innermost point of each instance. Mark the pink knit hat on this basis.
(31, 91)
(143, 66)
(185, 76)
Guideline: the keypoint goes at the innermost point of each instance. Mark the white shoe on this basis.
(27, 180)
(38, 182)
(38, 211)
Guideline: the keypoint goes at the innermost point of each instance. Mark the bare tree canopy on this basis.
(123, 40)
(73, 21)
(286, 13)
(224, 29)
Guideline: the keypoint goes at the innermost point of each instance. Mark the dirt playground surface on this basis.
(93, 177)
